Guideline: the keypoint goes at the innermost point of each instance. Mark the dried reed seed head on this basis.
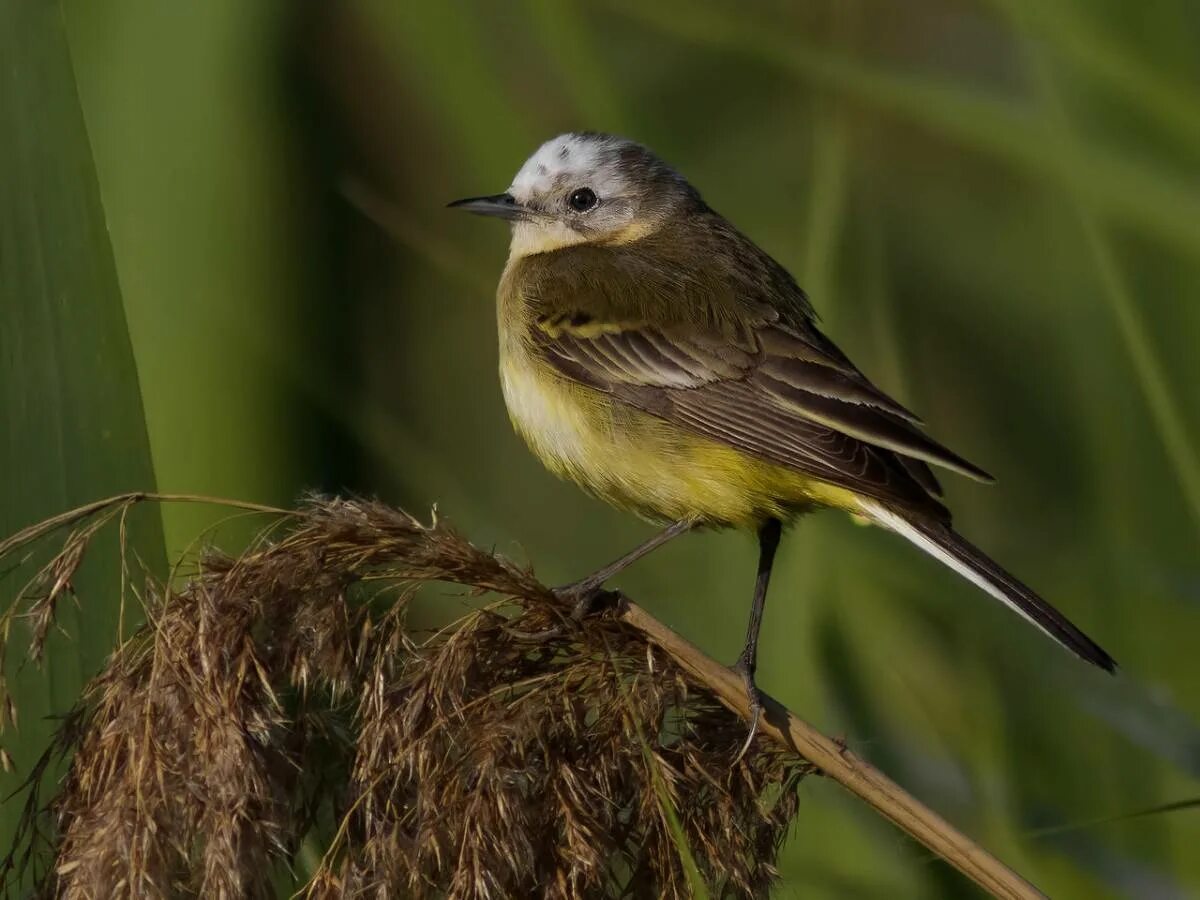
(273, 697)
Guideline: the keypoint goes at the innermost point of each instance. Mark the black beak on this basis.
(502, 206)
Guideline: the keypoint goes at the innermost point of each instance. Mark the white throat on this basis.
(529, 238)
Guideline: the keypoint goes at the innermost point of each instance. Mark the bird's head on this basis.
(587, 189)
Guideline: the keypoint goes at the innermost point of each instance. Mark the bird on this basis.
(653, 354)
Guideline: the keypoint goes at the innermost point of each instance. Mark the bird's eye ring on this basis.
(582, 199)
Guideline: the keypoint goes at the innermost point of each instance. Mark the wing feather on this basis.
(836, 384)
(922, 474)
(730, 413)
(872, 424)
(722, 363)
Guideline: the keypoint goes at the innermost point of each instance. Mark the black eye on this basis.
(582, 200)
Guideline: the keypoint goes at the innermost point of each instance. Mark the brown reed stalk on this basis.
(282, 698)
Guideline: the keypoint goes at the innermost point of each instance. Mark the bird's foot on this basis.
(585, 599)
(746, 669)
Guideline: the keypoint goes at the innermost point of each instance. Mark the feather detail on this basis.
(953, 550)
(722, 346)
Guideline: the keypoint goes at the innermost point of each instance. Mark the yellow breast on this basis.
(638, 462)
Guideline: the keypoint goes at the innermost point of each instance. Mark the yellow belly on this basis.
(641, 463)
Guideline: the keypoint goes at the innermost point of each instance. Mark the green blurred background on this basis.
(238, 208)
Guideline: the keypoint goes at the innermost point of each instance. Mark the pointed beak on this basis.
(501, 206)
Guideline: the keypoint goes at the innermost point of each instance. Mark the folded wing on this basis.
(701, 346)
(769, 390)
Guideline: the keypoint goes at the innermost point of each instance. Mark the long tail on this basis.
(945, 544)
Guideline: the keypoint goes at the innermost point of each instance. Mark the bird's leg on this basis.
(768, 541)
(582, 594)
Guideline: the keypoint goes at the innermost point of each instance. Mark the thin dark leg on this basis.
(768, 542)
(582, 592)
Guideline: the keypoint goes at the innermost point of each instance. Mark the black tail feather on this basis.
(945, 544)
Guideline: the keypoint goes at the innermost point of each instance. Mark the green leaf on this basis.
(678, 836)
(662, 794)
(73, 428)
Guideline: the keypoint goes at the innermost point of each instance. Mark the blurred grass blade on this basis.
(853, 705)
(827, 209)
(579, 64)
(1157, 810)
(69, 399)
(1158, 202)
(1152, 380)
(1147, 717)
(1120, 874)
(471, 102)
(1150, 375)
(1174, 106)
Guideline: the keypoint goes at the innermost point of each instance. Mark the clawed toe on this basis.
(585, 599)
(756, 706)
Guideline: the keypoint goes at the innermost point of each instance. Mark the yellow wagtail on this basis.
(650, 352)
